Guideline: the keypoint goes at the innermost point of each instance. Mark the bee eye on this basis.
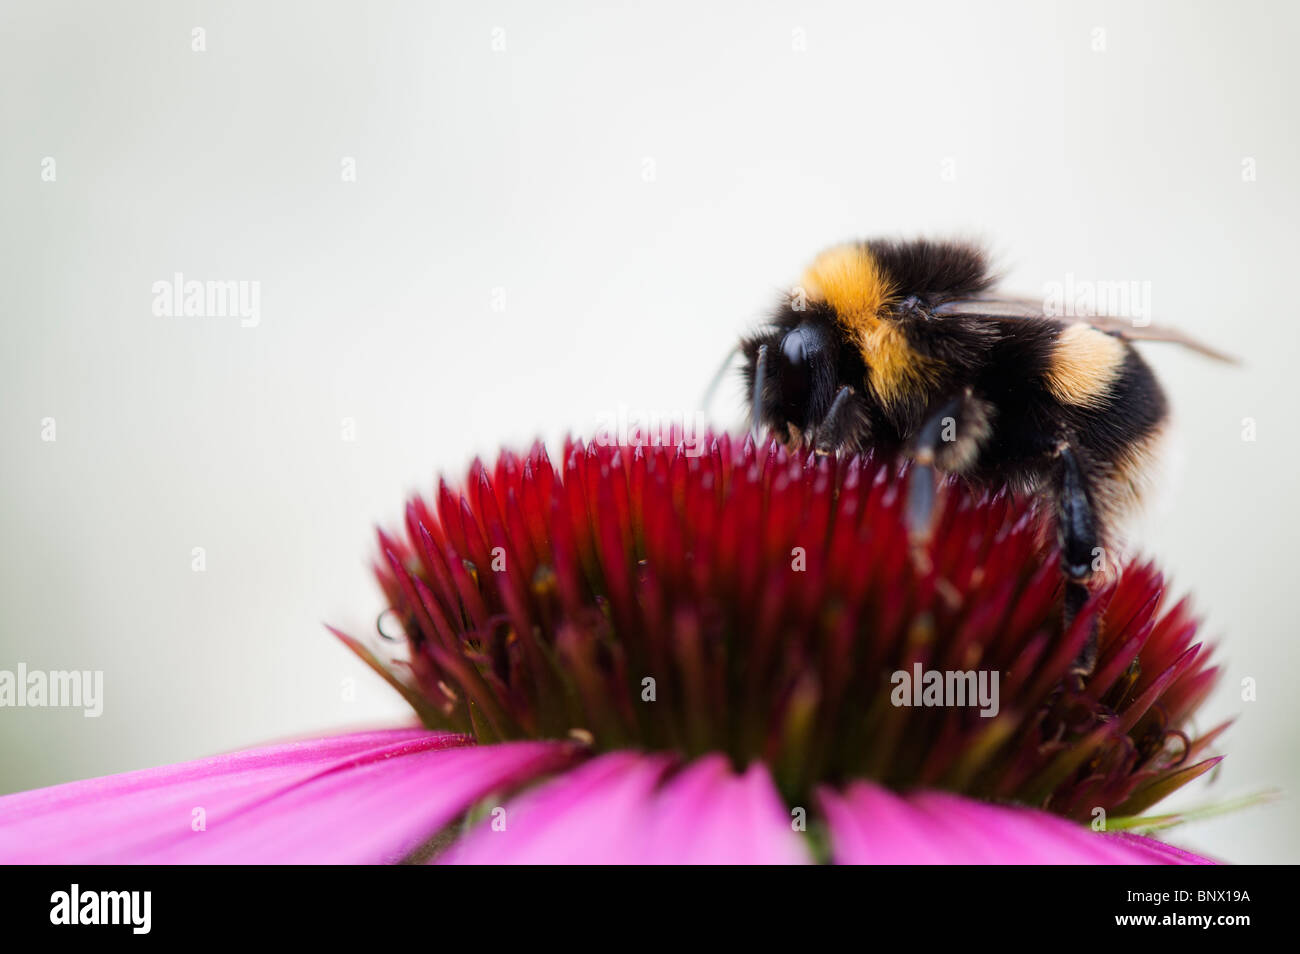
(795, 377)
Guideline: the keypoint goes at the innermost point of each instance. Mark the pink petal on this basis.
(366, 797)
(580, 818)
(707, 814)
(618, 809)
(870, 825)
(1163, 853)
(109, 816)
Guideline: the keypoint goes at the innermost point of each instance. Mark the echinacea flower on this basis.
(649, 655)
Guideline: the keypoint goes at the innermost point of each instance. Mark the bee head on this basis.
(792, 373)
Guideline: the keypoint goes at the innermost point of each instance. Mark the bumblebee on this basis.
(906, 347)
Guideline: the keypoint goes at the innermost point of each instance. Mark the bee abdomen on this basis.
(1119, 432)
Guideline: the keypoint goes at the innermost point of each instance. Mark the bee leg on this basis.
(1076, 529)
(827, 435)
(756, 399)
(921, 482)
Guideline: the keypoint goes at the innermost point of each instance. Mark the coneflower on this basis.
(649, 655)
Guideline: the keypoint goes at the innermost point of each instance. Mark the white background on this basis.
(523, 170)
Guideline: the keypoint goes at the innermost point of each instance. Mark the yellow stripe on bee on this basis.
(849, 279)
(1084, 365)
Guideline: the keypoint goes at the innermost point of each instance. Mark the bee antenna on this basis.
(756, 401)
(707, 403)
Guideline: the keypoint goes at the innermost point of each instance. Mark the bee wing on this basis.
(1009, 308)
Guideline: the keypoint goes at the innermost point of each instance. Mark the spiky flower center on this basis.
(763, 604)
